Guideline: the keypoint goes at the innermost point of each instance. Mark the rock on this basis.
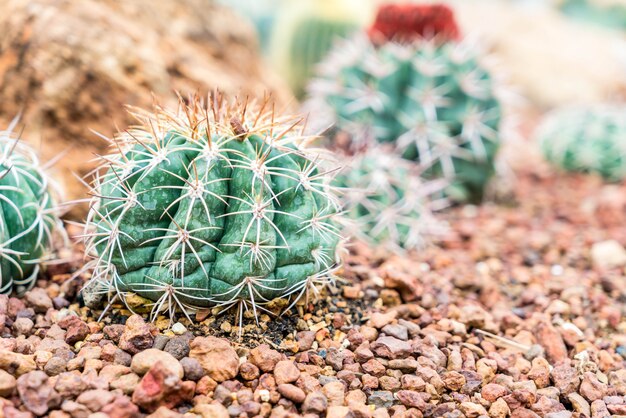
(599, 410)
(55, 366)
(591, 388)
(77, 331)
(38, 299)
(540, 372)
(305, 340)
(286, 372)
(381, 399)
(16, 364)
(492, 392)
(411, 399)
(335, 393)
(335, 411)
(472, 410)
(608, 254)
(391, 348)
(126, 383)
(292, 392)
(453, 381)
(164, 412)
(192, 369)
(121, 407)
(160, 386)
(211, 411)
(23, 326)
(264, 357)
(379, 320)
(144, 360)
(37, 392)
(216, 356)
(179, 329)
(315, 403)
(397, 331)
(96, 399)
(579, 404)
(551, 341)
(249, 371)
(7, 384)
(113, 332)
(565, 379)
(125, 56)
(178, 347)
(137, 335)
(70, 384)
(499, 409)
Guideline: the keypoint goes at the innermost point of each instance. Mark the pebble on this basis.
(178, 347)
(286, 371)
(216, 356)
(381, 399)
(192, 369)
(8, 383)
(264, 357)
(137, 335)
(608, 254)
(144, 360)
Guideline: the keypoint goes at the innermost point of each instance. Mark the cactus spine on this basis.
(28, 218)
(218, 204)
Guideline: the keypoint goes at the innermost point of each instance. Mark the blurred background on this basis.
(68, 67)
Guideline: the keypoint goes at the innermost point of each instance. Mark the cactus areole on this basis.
(217, 204)
(28, 218)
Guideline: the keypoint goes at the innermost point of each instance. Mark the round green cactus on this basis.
(217, 205)
(433, 100)
(28, 218)
(591, 140)
(388, 203)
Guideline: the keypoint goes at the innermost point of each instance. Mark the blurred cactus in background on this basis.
(388, 203)
(419, 89)
(607, 13)
(586, 139)
(218, 204)
(305, 31)
(28, 217)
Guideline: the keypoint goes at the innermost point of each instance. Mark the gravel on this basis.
(514, 314)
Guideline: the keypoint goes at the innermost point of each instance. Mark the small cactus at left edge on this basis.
(219, 204)
(388, 203)
(586, 139)
(28, 218)
(306, 30)
(412, 83)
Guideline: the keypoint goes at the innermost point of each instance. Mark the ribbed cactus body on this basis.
(306, 30)
(27, 216)
(204, 214)
(435, 102)
(591, 140)
(388, 203)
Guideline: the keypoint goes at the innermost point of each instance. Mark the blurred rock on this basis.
(70, 66)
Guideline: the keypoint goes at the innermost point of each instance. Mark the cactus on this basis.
(430, 97)
(212, 205)
(586, 139)
(28, 218)
(388, 203)
(607, 13)
(304, 33)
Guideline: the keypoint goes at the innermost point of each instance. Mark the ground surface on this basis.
(519, 312)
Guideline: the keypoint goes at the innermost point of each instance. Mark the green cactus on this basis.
(261, 13)
(304, 33)
(586, 139)
(28, 219)
(388, 203)
(433, 100)
(219, 205)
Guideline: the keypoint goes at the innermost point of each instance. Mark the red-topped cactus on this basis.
(409, 22)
